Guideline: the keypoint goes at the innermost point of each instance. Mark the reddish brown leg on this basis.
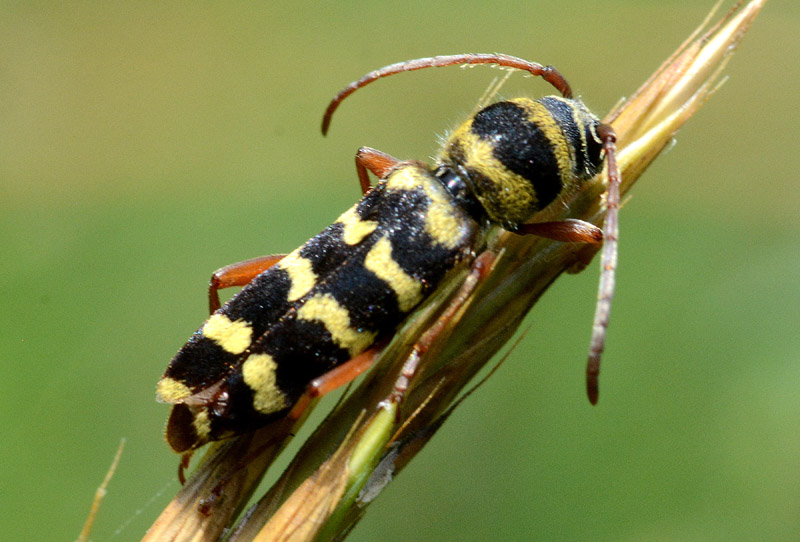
(570, 230)
(186, 458)
(480, 268)
(336, 378)
(238, 274)
(378, 162)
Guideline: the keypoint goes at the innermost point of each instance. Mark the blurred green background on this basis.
(142, 147)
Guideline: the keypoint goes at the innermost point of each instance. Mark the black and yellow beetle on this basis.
(310, 315)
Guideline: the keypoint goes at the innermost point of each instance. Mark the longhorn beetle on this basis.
(309, 321)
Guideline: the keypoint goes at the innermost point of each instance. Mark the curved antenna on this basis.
(548, 73)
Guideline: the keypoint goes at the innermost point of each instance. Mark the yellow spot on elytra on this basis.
(379, 260)
(440, 221)
(404, 179)
(202, 424)
(233, 336)
(325, 309)
(258, 372)
(170, 390)
(300, 273)
(355, 229)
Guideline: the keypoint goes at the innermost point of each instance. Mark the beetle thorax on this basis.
(518, 156)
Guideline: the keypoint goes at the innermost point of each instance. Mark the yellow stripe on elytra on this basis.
(440, 222)
(325, 309)
(300, 273)
(379, 260)
(355, 229)
(233, 336)
(258, 372)
(170, 390)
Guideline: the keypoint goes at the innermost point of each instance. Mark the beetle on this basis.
(306, 322)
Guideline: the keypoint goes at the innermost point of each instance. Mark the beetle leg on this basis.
(336, 378)
(480, 269)
(378, 162)
(570, 230)
(238, 274)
